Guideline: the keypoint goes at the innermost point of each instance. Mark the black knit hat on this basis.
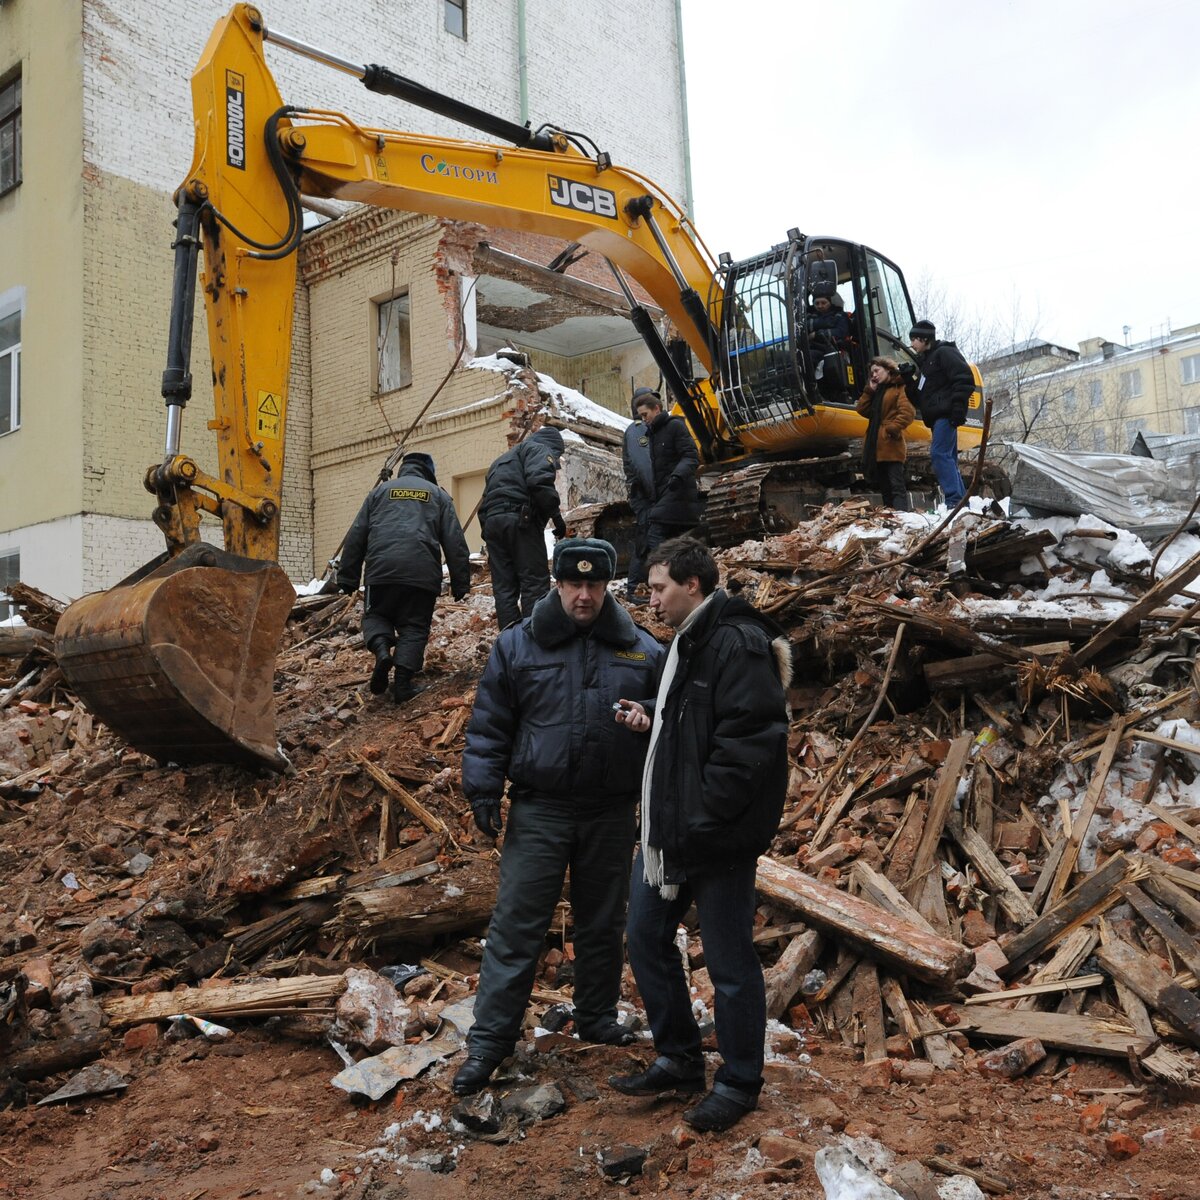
(577, 559)
(923, 329)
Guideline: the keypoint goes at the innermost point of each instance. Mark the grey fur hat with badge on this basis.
(577, 559)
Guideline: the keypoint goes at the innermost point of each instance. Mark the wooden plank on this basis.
(1087, 811)
(1094, 894)
(868, 1007)
(898, 1006)
(276, 994)
(784, 978)
(431, 822)
(832, 813)
(1180, 826)
(939, 1049)
(1077, 983)
(1164, 589)
(907, 948)
(1090, 745)
(903, 846)
(983, 806)
(1142, 975)
(1064, 1031)
(991, 871)
(939, 808)
(1131, 1003)
(1164, 925)
(879, 889)
(1074, 949)
(1159, 885)
(1041, 889)
(973, 670)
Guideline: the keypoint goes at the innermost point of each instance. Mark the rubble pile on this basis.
(986, 866)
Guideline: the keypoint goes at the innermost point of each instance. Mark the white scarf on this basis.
(652, 856)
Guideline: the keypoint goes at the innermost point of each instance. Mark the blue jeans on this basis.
(943, 451)
(725, 901)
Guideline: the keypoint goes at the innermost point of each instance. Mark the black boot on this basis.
(403, 688)
(473, 1075)
(664, 1076)
(383, 665)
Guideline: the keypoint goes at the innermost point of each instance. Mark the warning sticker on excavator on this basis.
(269, 416)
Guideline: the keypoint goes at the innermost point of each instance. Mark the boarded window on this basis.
(1189, 369)
(10, 135)
(1131, 384)
(10, 372)
(10, 573)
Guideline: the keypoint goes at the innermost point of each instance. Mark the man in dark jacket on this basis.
(639, 484)
(676, 504)
(519, 497)
(401, 531)
(714, 786)
(940, 394)
(544, 718)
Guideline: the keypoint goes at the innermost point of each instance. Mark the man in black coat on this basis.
(714, 786)
(676, 504)
(544, 719)
(519, 497)
(401, 531)
(639, 484)
(940, 394)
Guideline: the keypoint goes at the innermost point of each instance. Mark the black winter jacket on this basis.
(944, 385)
(673, 463)
(720, 770)
(543, 712)
(522, 479)
(639, 474)
(401, 530)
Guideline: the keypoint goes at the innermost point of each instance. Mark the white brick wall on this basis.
(608, 69)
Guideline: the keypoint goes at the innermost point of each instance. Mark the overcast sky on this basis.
(1040, 155)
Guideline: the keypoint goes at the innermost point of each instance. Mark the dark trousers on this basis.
(401, 616)
(541, 844)
(892, 486)
(637, 556)
(518, 563)
(659, 531)
(725, 901)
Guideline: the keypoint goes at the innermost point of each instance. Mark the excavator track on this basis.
(180, 660)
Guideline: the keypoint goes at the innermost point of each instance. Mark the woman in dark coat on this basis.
(889, 413)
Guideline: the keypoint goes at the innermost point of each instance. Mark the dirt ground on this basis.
(256, 1115)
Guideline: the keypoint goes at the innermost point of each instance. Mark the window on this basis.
(10, 135)
(1131, 384)
(454, 17)
(1189, 369)
(10, 573)
(1068, 398)
(1096, 393)
(1191, 420)
(394, 344)
(10, 367)
(1099, 440)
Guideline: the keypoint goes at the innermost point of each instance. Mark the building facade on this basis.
(1096, 399)
(95, 135)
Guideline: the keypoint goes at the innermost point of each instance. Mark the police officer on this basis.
(401, 532)
(544, 718)
(519, 497)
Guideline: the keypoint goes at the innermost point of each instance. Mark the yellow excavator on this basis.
(179, 657)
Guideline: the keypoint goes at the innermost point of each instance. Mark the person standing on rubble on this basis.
(639, 484)
(519, 497)
(401, 532)
(543, 719)
(676, 503)
(889, 413)
(941, 393)
(712, 795)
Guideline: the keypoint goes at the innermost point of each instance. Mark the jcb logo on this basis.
(235, 120)
(567, 193)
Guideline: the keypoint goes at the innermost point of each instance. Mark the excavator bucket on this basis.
(179, 658)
